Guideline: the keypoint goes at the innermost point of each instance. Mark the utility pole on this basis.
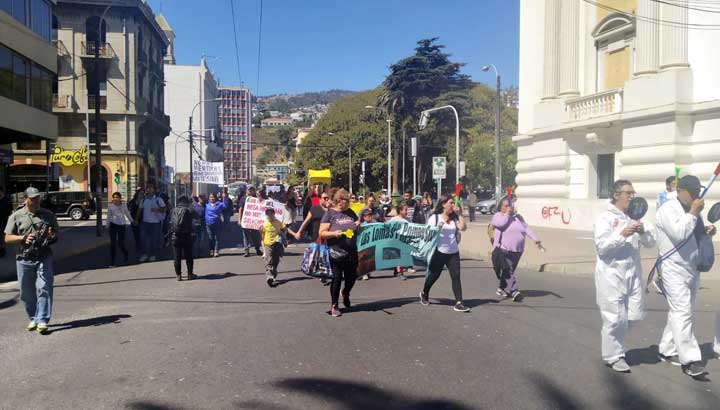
(498, 169)
(98, 148)
(190, 144)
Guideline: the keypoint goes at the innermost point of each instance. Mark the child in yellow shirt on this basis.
(272, 232)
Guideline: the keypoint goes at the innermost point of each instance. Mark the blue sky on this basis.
(315, 45)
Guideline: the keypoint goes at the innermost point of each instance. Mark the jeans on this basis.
(345, 270)
(213, 232)
(199, 231)
(252, 238)
(36, 288)
(117, 238)
(273, 254)
(183, 247)
(151, 234)
(452, 261)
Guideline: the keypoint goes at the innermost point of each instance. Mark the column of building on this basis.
(551, 58)
(569, 45)
(647, 37)
(674, 51)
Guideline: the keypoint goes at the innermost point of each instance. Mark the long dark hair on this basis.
(441, 201)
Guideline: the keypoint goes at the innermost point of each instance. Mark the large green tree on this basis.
(347, 123)
(425, 80)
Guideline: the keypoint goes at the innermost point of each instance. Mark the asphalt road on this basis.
(134, 338)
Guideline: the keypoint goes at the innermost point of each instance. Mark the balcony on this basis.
(105, 51)
(92, 100)
(62, 101)
(595, 105)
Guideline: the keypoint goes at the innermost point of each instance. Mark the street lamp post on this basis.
(190, 125)
(389, 152)
(498, 170)
(425, 115)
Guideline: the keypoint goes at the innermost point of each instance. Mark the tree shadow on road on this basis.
(95, 321)
(349, 395)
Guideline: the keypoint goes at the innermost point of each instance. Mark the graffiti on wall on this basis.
(548, 212)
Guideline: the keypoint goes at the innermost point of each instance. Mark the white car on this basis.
(486, 206)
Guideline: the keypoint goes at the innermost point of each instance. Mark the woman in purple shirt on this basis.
(509, 234)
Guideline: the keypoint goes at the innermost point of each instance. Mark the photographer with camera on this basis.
(35, 229)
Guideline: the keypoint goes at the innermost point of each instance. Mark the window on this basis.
(91, 30)
(6, 76)
(19, 10)
(614, 37)
(605, 174)
(20, 77)
(41, 88)
(40, 18)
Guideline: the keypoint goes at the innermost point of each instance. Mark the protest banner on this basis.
(254, 212)
(387, 245)
(208, 172)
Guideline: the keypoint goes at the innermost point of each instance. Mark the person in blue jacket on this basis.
(213, 222)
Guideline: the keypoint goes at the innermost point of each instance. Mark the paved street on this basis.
(135, 338)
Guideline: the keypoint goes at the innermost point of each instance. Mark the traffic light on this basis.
(117, 177)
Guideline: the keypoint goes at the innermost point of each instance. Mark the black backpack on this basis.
(181, 221)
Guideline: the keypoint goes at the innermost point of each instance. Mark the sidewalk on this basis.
(567, 251)
(73, 241)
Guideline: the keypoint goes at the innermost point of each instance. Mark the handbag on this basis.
(706, 254)
(316, 262)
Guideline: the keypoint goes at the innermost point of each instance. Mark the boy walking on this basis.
(272, 232)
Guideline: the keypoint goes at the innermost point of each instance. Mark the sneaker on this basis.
(247, 254)
(502, 293)
(517, 296)
(694, 369)
(424, 299)
(270, 282)
(365, 277)
(143, 258)
(152, 259)
(346, 300)
(620, 365)
(42, 328)
(31, 326)
(411, 270)
(217, 254)
(179, 277)
(191, 276)
(459, 307)
(335, 312)
(673, 360)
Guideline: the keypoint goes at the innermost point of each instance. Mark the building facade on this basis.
(128, 87)
(236, 132)
(608, 90)
(276, 122)
(28, 66)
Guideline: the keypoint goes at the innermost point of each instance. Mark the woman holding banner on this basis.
(449, 219)
(338, 227)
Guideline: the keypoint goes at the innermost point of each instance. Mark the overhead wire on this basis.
(661, 22)
(235, 38)
(686, 6)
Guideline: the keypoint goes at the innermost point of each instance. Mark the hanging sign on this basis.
(69, 157)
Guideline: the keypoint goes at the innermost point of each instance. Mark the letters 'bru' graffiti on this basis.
(549, 211)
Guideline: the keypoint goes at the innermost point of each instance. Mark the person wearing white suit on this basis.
(679, 225)
(618, 273)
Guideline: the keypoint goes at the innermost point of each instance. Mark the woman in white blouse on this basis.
(118, 218)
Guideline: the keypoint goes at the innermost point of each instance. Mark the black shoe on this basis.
(459, 307)
(517, 296)
(179, 278)
(424, 299)
(346, 300)
(259, 252)
(191, 276)
(271, 282)
(694, 369)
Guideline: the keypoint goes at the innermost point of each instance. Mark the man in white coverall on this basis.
(678, 220)
(618, 273)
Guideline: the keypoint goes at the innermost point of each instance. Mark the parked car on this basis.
(75, 204)
(486, 206)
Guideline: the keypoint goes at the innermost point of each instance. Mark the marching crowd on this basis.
(327, 215)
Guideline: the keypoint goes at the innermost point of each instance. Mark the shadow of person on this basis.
(10, 302)
(471, 303)
(293, 279)
(217, 276)
(645, 355)
(349, 395)
(381, 305)
(95, 321)
(539, 294)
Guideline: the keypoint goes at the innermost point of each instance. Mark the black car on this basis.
(75, 204)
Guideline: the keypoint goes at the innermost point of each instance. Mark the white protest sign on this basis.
(208, 172)
(254, 212)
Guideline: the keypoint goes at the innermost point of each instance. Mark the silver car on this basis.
(486, 206)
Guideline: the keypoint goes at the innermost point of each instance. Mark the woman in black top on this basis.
(339, 226)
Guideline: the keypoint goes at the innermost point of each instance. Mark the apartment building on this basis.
(236, 133)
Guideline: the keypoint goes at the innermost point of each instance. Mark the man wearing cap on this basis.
(680, 225)
(34, 269)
